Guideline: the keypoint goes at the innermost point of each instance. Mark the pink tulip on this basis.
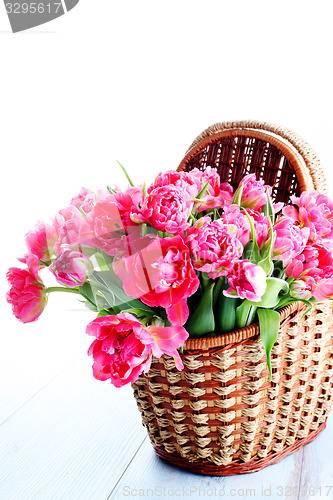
(219, 194)
(106, 225)
(302, 289)
(72, 268)
(181, 180)
(123, 348)
(166, 208)
(86, 199)
(40, 241)
(232, 214)
(324, 288)
(247, 281)
(160, 273)
(214, 246)
(290, 240)
(313, 271)
(254, 192)
(72, 229)
(314, 261)
(315, 211)
(27, 294)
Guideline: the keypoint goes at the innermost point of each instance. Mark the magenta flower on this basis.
(181, 180)
(214, 246)
(129, 201)
(123, 348)
(27, 294)
(247, 281)
(40, 241)
(290, 240)
(165, 209)
(160, 273)
(254, 192)
(315, 211)
(72, 268)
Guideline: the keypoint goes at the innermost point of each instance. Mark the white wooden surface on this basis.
(64, 435)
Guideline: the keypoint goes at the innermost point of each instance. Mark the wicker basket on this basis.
(221, 415)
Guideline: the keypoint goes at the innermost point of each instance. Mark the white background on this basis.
(137, 81)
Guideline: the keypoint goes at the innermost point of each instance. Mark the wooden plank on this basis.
(33, 354)
(147, 476)
(317, 467)
(72, 440)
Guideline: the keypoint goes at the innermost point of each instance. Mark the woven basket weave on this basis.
(221, 415)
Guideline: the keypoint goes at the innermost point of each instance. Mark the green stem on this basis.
(221, 282)
(62, 289)
(127, 176)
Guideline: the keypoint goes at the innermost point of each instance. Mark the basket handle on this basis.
(309, 156)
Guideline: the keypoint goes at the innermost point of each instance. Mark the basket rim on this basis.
(234, 337)
(299, 153)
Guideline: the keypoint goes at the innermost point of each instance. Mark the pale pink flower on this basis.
(219, 194)
(191, 183)
(314, 266)
(302, 288)
(106, 225)
(160, 273)
(40, 241)
(72, 268)
(254, 192)
(27, 294)
(290, 240)
(313, 261)
(214, 246)
(166, 209)
(324, 288)
(247, 281)
(232, 214)
(86, 199)
(71, 228)
(315, 211)
(123, 348)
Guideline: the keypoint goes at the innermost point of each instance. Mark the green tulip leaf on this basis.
(269, 324)
(226, 313)
(270, 299)
(201, 320)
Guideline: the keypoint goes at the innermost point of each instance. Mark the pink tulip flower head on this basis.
(166, 209)
(315, 211)
(40, 241)
(217, 195)
(254, 192)
(72, 268)
(71, 228)
(27, 293)
(160, 273)
(290, 239)
(86, 199)
(247, 281)
(123, 348)
(214, 246)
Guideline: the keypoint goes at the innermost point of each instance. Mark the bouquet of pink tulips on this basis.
(183, 257)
